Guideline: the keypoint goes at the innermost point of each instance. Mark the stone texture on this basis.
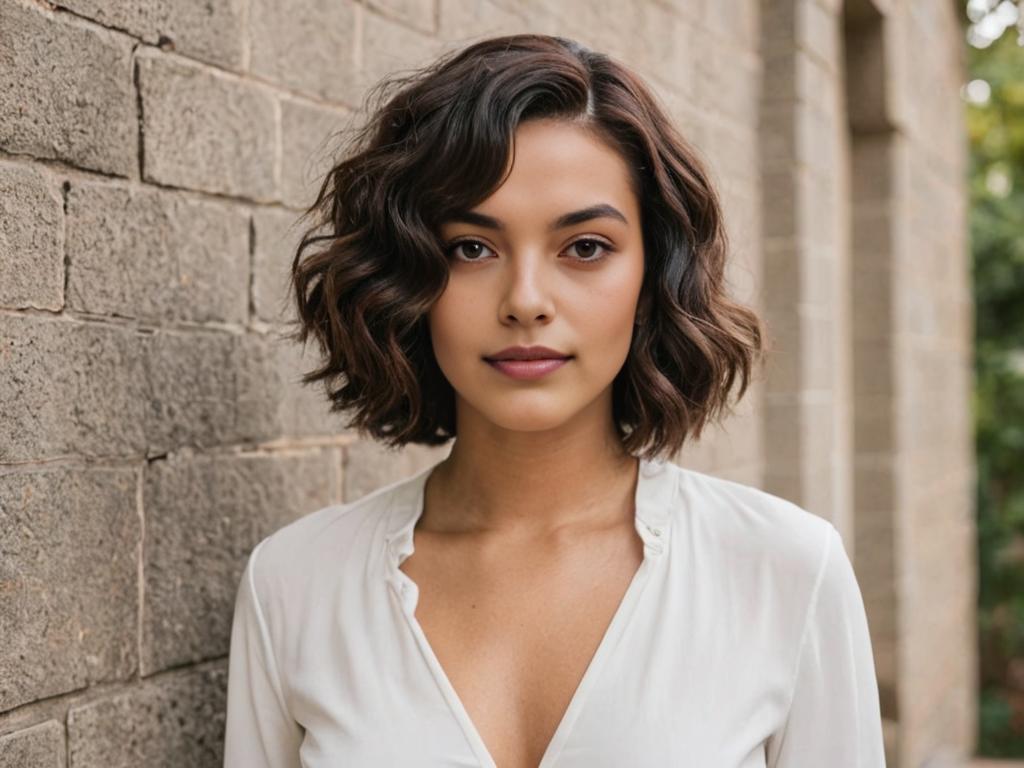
(277, 234)
(792, 75)
(791, 203)
(894, 314)
(66, 91)
(72, 388)
(420, 14)
(94, 390)
(332, 50)
(41, 746)
(736, 23)
(207, 131)
(69, 543)
(173, 721)
(208, 31)
(390, 48)
(308, 45)
(196, 396)
(275, 362)
(460, 22)
(31, 239)
(271, 392)
(203, 517)
(158, 256)
(668, 58)
(219, 389)
(726, 80)
(309, 143)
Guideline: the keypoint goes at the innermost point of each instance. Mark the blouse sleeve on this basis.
(834, 717)
(259, 733)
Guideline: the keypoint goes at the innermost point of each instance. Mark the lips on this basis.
(529, 369)
(527, 353)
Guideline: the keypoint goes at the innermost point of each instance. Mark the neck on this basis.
(497, 489)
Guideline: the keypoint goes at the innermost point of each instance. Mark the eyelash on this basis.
(449, 249)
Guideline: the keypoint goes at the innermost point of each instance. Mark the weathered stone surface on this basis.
(194, 396)
(390, 48)
(41, 746)
(31, 239)
(277, 234)
(308, 146)
(275, 363)
(218, 389)
(736, 23)
(66, 91)
(208, 31)
(726, 81)
(69, 543)
(94, 389)
(172, 721)
(271, 396)
(206, 130)
(308, 45)
(155, 255)
(203, 517)
(420, 14)
(70, 388)
(460, 22)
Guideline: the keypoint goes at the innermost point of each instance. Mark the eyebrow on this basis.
(599, 211)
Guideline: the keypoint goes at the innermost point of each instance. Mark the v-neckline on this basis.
(651, 522)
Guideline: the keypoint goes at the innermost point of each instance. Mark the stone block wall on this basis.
(154, 158)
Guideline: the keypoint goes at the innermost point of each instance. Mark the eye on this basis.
(471, 246)
(472, 250)
(588, 251)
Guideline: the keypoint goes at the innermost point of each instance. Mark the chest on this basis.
(515, 637)
(690, 673)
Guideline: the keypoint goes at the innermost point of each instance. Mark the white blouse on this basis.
(741, 641)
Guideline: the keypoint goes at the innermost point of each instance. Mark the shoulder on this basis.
(752, 527)
(332, 542)
(773, 561)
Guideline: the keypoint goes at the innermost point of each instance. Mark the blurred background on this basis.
(994, 96)
(154, 159)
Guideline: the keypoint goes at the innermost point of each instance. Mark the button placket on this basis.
(652, 538)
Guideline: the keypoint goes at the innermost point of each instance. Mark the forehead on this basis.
(558, 165)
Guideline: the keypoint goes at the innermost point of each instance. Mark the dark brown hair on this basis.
(437, 142)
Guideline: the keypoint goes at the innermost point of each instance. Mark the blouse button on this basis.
(656, 531)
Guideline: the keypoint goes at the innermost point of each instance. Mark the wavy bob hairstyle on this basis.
(437, 141)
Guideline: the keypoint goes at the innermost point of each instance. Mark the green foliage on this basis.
(996, 184)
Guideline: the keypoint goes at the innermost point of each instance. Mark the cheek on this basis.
(609, 332)
(610, 310)
(451, 321)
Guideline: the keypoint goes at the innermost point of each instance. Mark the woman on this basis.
(521, 252)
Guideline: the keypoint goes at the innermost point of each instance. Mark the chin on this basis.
(529, 414)
(527, 424)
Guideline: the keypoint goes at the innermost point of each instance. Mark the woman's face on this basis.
(520, 277)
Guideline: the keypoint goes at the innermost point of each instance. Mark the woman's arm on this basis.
(260, 733)
(834, 718)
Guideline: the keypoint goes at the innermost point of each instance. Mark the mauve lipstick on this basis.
(530, 362)
(529, 369)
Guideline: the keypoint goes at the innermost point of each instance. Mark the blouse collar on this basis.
(652, 501)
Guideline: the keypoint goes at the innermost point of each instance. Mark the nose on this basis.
(526, 291)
